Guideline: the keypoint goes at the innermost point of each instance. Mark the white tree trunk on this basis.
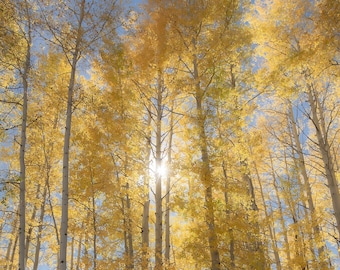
(280, 208)
(146, 204)
(307, 187)
(324, 147)
(167, 197)
(205, 172)
(25, 75)
(64, 203)
(158, 177)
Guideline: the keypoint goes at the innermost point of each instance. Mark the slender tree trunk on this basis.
(257, 246)
(14, 251)
(249, 181)
(205, 172)
(94, 221)
(79, 249)
(8, 254)
(158, 177)
(323, 144)
(128, 238)
(43, 203)
(145, 234)
(307, 187)
(280, 208)
(65, 195)
(52, 212)
(129, 229)
(40, 227)
(228, 215)
(146, 203)
(9, 259)
(167, 197)
(126, 245)
(292, 206)
(72, 253)
(303, 231)
(29, 233)
(25, 75)
(30, 230)
(272, 236)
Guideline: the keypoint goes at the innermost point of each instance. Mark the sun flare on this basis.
(162, 170)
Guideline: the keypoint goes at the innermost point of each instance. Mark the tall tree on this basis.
(17, 29)
(25, 78)
(75, 33)
(203, 54)
(153, 40)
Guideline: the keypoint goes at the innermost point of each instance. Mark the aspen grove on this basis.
(178, 134)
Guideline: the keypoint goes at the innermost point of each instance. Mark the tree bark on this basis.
(13, 252)
(129, 229)
(167, 197)
(146, 203)
(25, 77)
(9, 258)
(307, 187)
(94, 221)
(325, 150)
(158, 177)
(40, 227)
(79, 249)
(205, 172)
(128, 237)
(280, 208)
(30, 230)
(145, 234)
(65, 195)
(271, 233)
(228, 216)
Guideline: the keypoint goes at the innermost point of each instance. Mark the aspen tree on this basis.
(75, 33)
(280, 210)
(317, 116)
(301, 54)
(45, 136)
(22, 33)
(270, 225)
(146, 192)
(167, 190)
(15, 40)
(307, 186)
(191, 23)
(65, 192)
(25, 74)
(327, 22)
(154, 41)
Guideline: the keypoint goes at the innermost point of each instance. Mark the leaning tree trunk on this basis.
(280, 211)
(40, 228)
(324, 147)
(9, 258)
(308, 189)
(269, 222)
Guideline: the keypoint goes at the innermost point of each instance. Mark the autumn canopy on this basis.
(179, 134)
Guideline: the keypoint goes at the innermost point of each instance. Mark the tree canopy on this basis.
(182, 134)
